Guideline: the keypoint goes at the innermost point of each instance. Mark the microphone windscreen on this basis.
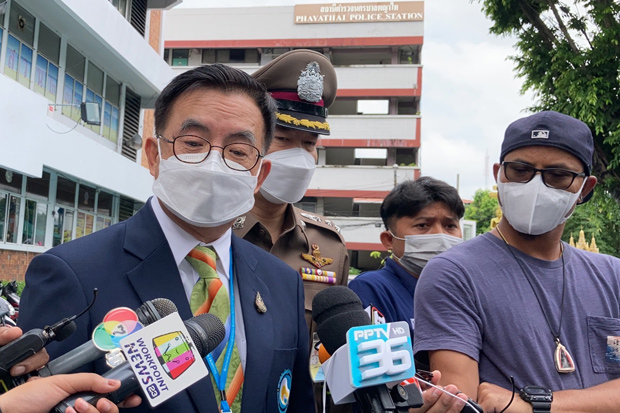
(154, 310)
(206, 331)
(66, 331)
(335, 310)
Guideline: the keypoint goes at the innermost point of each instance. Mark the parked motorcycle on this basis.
(10, 293)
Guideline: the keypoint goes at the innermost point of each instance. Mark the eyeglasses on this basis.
(557, 178)
(194, 149)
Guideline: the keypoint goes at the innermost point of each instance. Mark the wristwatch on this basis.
(539, 397)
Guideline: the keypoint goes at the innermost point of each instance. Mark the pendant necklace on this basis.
(563, 361)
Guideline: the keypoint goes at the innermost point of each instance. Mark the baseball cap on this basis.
(554, 129)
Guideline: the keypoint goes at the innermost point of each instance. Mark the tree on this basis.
(482, 210)
(568, 55)
(599, 217)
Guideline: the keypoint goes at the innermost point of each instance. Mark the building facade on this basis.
(375, 121)
(60, 177)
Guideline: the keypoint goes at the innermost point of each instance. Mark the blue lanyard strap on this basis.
(220, 378)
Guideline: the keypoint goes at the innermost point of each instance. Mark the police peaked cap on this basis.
(303, 83)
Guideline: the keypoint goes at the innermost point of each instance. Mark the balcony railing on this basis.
(374, 130)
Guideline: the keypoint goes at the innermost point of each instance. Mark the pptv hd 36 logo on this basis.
(380, 354)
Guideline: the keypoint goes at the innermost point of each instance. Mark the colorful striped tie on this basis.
(210, 296)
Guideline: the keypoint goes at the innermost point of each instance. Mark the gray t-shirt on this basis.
(475, 299)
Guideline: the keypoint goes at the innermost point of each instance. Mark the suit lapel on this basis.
(157, 276)
(258, 326)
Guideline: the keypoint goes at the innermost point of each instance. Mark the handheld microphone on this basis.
(35, 339)
(148, 313)
(206, 331)
(336, 310)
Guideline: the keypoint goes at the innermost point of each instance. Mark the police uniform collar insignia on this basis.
(239, 223)
(311, 217)
(315, 258)
(310, 83)
(260, 304)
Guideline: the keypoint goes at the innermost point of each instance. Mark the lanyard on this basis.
(220, 378)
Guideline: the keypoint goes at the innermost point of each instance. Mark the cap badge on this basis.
(310, 83)
(540, 134)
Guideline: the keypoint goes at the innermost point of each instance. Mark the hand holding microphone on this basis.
(377, 356)
(206, 332)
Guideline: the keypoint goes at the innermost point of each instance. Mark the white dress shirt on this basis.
(181, 243)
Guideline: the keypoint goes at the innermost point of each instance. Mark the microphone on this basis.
(336, 310)
(33, 341)
(206, 331)
(148, 313)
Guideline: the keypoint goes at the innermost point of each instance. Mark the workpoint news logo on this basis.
(163, 358)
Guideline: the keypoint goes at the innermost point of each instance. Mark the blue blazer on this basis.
(130, 263)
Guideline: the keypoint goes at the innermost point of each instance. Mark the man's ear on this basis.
(152, 155)
(588, 188)
(387, 240)
(496, 167)
(263, 173)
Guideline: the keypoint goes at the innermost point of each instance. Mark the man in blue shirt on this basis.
(421, 220)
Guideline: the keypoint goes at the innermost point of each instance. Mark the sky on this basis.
(469, 90)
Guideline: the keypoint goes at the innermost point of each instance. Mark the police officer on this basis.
(303, 83)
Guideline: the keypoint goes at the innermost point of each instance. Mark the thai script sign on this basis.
(393, 11)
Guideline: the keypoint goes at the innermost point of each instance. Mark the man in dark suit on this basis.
(213, 125)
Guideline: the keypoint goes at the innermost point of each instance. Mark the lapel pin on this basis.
(260, 304)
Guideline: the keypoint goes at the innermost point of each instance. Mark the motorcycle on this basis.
(7, 313)
(9, 291)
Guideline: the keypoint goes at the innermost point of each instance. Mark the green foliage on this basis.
(354, 271)
(20, 287)
(482, 210)
(568, 55)
(376, 255)
(599, 217)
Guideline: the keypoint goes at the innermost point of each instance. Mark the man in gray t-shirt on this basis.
(519, 302)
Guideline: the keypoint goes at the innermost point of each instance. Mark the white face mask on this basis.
(419, 249)
(290, 175)
(533, 208)
(207, 194)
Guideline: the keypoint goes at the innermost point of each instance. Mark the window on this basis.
(19, 57)
(121, 6)
(12, 219)
(74, 84)
(10, 181)
(86, 200)
(63, 225)
(35, 219)
(13, 47)
(64, 211)
(21, 24)
(104, 210)
(35, 216)
(111, 109)
(237, 55)
(46, 71)
(94, 92)
(180, 57)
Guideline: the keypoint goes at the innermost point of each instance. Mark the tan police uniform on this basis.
(308, 243)
(303, 83)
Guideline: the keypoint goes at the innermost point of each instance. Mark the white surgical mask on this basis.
(207, 194)
(534, 208)
(290, 175)
(419, 249)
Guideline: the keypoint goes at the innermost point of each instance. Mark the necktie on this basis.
(210, 296)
